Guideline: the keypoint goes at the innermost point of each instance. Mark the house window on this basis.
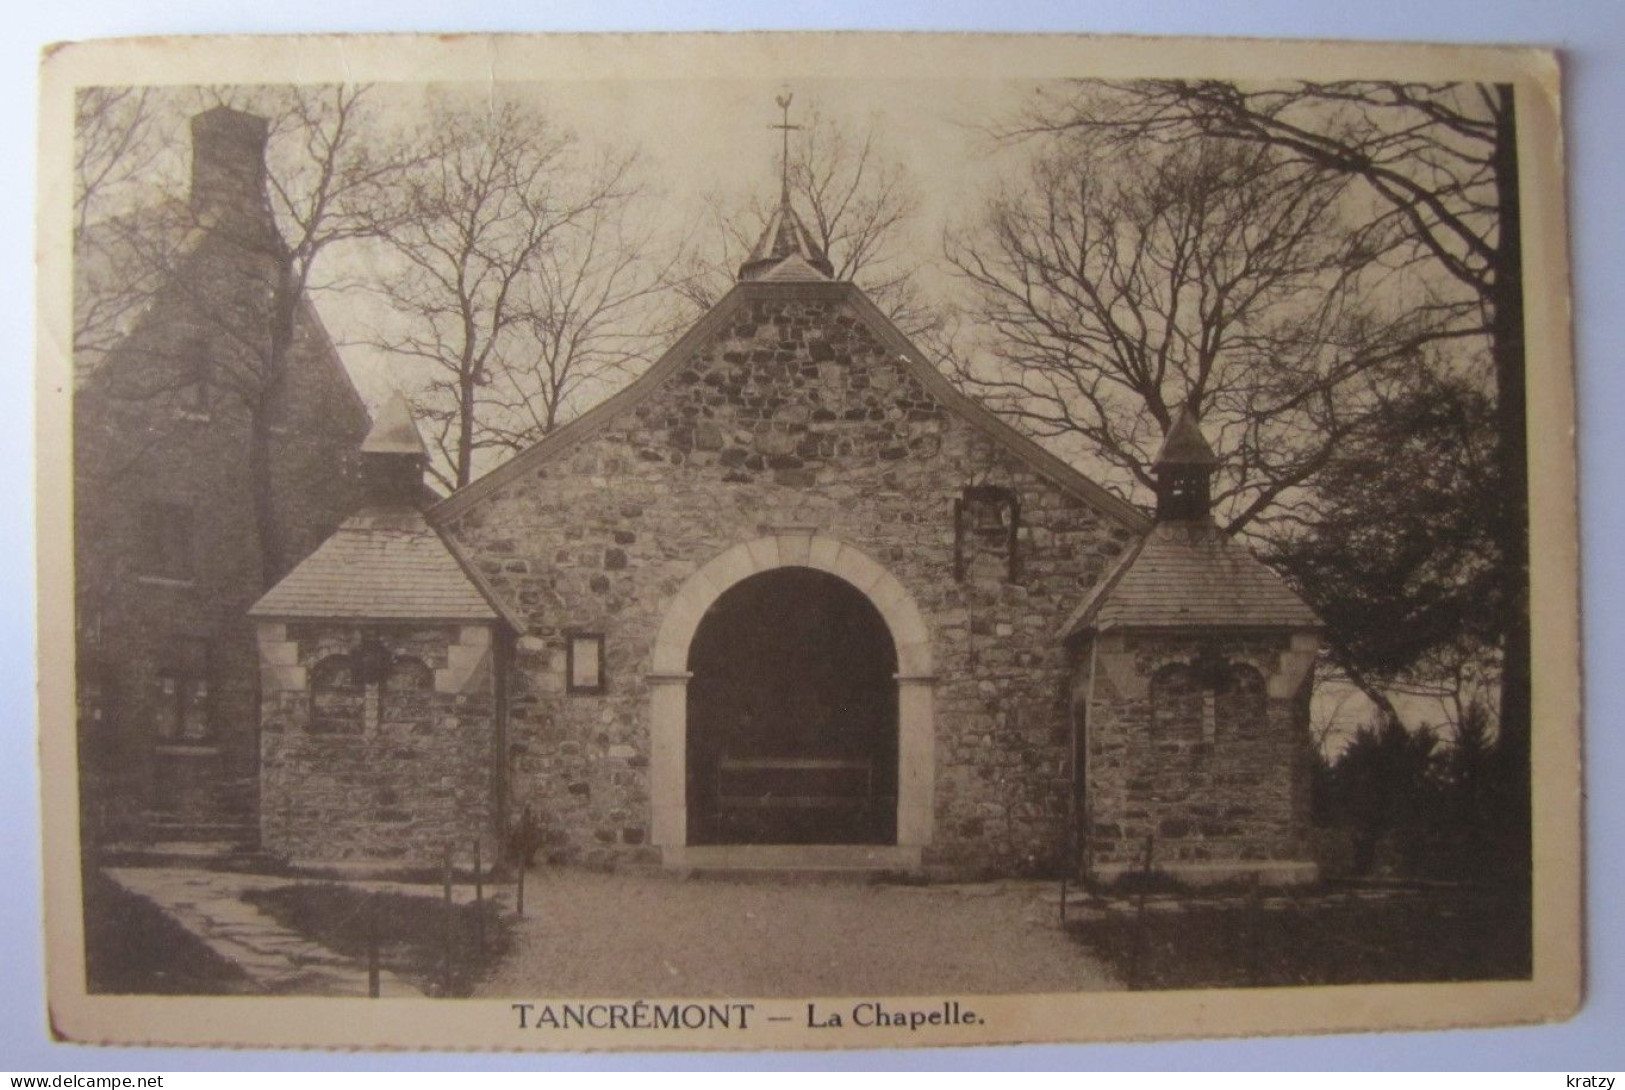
(184, 691)
(584, 662)
(164, 541)
(196, 399)
(987, 518)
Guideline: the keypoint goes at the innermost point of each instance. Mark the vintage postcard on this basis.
(804, 541)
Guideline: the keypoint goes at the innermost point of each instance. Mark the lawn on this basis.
(1326, 938)
(411, 931)
(132, 948)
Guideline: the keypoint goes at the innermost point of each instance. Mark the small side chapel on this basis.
(790, 600)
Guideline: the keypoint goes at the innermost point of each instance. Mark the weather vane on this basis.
(787, 128)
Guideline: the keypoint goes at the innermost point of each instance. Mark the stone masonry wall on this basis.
(393, 771)
(1207, 780)
(794, 415)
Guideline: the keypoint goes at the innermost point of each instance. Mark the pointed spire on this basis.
(1185, 445)
(394, 432)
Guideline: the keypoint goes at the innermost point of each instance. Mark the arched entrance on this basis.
(792, 715)
(911, 767)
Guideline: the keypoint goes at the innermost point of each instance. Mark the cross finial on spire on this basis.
(784, 236)
(784, 160)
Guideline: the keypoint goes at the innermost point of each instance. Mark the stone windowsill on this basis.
(164, 581)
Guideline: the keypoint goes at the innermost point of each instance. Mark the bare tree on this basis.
(115, 147)
(118, 149)
(1115, 291)
(857, 201)
(515, 277)
(1438, 162)
(594, 313)
(245, 273)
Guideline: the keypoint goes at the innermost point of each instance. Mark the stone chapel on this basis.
(789, 600)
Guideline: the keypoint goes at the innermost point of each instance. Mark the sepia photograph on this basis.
(804, 541)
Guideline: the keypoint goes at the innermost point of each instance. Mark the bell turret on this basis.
(393, 458)
(1184, 468)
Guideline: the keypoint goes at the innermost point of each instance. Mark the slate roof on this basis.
(381, 564)
(784, 236)
(792, 268)
(1189, 574)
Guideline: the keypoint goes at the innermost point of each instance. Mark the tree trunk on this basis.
(1512, 515)
(465, 430)
(262, 475)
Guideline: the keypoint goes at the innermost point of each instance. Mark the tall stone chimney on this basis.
(228, 168)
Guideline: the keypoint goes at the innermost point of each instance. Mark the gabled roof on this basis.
(193, 245)
(718, 318)
(1190, 575)
(381, 564)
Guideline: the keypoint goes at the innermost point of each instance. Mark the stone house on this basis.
(790, 600)
(167, 555)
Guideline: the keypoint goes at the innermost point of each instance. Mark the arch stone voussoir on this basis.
(668, 705)
(823, 552)
(732, 566)
(859, 569)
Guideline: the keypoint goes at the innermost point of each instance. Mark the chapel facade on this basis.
(788, 600)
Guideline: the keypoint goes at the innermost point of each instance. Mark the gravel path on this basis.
(590, 934)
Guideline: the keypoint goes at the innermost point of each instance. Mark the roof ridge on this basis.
(1045, 463)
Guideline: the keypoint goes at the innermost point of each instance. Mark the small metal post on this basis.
(1137, 955)
(372, 947)
(451, 921)
(1255, 932)
(479, 903)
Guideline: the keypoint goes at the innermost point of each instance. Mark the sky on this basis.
(700, 138)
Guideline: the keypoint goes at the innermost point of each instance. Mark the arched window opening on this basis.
(1239, 701)
(405, 698)
(337, 698)
(408, 674)
(1177, 704)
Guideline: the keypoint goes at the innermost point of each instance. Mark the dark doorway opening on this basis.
(792, 715)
